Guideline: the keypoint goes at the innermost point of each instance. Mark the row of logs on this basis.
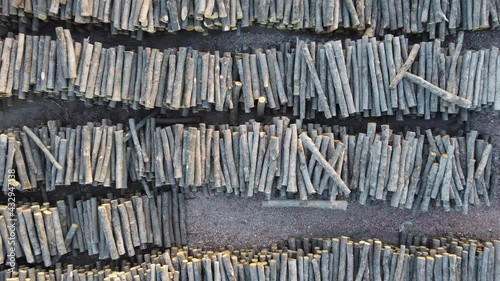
(109, 227)
(363, 77)
(407, 170)
(303, 259)
(373, 17)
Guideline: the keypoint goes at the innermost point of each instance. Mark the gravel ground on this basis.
(219, 221)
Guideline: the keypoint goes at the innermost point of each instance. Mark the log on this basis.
(322, 161)
(253, 160)
(306, 178)
(314, 76)
(42, 236)
(339, 56)
(69, 236)
(134, 231)
(42, 147)
(127, 233)
(105, 223)
(61, 245)
(405, 67)
(51, 238)
(230, 158)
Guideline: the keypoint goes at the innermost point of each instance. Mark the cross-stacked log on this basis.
(110, 227)
(374, 18)
(308, 259)
(408, 170)
(307, 79)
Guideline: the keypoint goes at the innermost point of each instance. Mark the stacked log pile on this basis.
(288, 164)
(373, 17)
(109, 227)
(307, 161)
(364, 77)
(299, 259)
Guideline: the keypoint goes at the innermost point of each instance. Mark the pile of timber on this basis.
(309, 161)
(373, 17)
(105, 226)
(303, 259)
(364, 77)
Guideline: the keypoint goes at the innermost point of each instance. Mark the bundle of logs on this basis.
(373, 17)
(303, 259)
(306, 161)
(367, 77)
(105, 226)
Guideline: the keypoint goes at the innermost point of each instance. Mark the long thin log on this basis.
(447, 96)
(43, 148)
(318, 204)
(406, 66)
(322, 161)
